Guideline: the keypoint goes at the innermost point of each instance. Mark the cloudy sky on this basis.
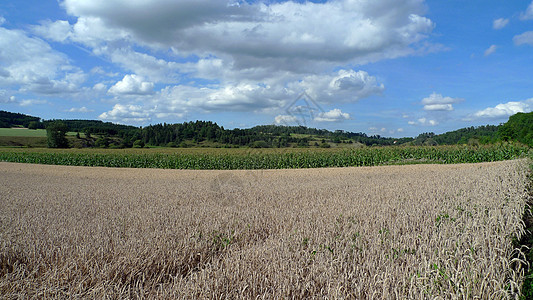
(388, 67)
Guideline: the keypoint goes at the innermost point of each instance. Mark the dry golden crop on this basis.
(391, 232)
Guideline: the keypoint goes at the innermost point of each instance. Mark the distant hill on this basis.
(94, 126)
(9, 119)
(210, 134)
(481, 134)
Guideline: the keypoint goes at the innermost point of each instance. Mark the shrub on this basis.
(138, 144)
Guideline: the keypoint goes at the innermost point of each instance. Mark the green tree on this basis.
(518, 128)
(34, 125)
(138, 144)
(56, 135)
(102, 142)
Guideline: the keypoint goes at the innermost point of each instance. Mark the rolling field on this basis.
(22, 132)
(389, 232)
(23, 137)
(25, 132)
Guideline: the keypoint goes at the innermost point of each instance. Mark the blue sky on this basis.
(389, 67)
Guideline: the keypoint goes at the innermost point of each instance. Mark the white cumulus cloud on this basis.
(32, 102)
(58, 31)
(100, 87)
(147, 66)
(285, 35)
(254, 56)
(438, 107)
(334, 115)
(126, 114)
(504, 110)
(424, 122)
(82, 109)
(285, 119)
(30, 64)
(436, 102)
(132, 85)
(344, 86)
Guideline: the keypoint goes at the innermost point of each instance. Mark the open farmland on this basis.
(392, 232)
(23, 137)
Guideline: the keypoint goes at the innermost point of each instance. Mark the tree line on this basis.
(192, 134)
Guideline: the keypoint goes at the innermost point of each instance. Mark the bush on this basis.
(138, 144)
(303, 143)
(102, 142)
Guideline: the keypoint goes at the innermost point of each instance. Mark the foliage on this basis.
(519, 128)
(102, 142)
(138, 144)
(484, 134)
(9, 119)
(96, 127)
(56, 135)
(35, 125)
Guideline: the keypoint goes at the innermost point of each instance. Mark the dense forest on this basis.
(470, 135)
(9, 119)
(259, 136)
(519, 128)
(94, 126)
(210, 134)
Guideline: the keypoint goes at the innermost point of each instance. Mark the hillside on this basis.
(210, 134)
(9, 119)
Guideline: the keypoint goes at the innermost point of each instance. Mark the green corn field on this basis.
(225, 159)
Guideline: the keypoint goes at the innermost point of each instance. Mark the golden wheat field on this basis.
(390, 232)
